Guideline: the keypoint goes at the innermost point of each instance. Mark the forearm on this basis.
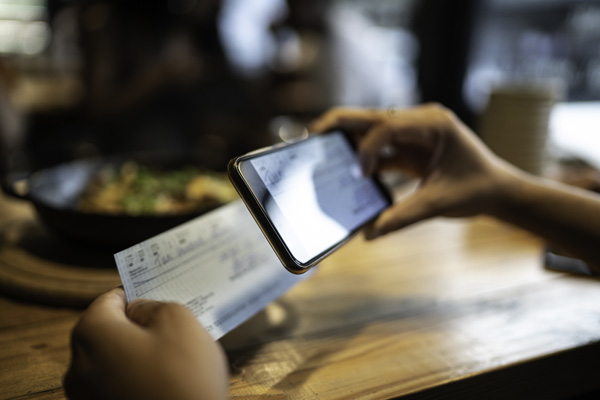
(566, 216)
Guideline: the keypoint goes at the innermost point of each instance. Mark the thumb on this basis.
(167, 317)
(144, 312)
(419, 206)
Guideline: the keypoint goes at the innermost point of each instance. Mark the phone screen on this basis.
(314, 193)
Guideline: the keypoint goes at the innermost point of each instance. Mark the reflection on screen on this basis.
(317, 193)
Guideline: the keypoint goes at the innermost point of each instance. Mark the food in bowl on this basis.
(136, 189)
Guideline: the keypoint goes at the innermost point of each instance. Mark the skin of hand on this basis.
(143, 350)
(459, 175)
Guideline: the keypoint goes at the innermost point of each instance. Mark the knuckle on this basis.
(446, 115)
(439, 107)
(433, 105)
(336, 114)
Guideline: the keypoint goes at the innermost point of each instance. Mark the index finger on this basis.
(356, 120)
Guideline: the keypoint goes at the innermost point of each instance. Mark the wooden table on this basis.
(446, 309)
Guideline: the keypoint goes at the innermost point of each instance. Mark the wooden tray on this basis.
(38, 266)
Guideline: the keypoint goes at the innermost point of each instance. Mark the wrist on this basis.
(511, 186)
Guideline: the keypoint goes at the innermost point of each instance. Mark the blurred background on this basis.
(82, 78)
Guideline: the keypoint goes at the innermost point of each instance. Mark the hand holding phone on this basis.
(308, 197)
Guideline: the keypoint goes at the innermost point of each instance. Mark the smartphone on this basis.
(556, 261)
(308, 197)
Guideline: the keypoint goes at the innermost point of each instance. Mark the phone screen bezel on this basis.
(252, 190)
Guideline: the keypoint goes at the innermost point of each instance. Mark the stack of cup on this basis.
(515, 124)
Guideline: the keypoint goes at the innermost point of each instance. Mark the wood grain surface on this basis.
(456, 309)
